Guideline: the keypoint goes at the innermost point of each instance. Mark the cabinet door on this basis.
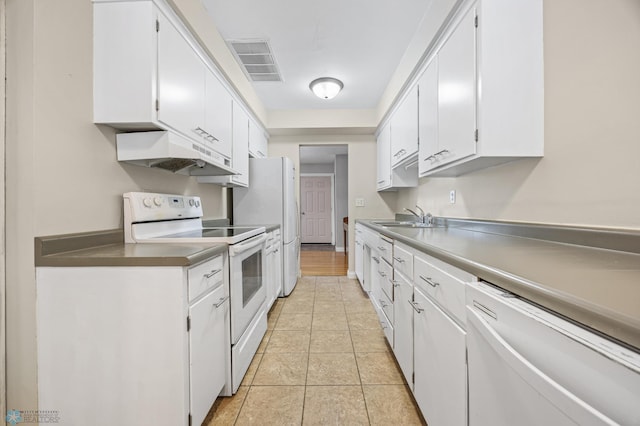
(240, 159)
(384, 160)
(428, 117)
(180, 82)
(359, 260)
(218, 119)
(440, 387)
(403, 326)
(457, 93)
(207, 347)
(404, 128)
(257, 141)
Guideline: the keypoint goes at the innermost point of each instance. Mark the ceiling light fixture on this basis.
(326, 87)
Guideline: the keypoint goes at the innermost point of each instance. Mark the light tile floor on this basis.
(323, 361)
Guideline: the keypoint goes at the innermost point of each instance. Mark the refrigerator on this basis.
(271, 199)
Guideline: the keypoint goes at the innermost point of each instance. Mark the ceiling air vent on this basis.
(256, 59)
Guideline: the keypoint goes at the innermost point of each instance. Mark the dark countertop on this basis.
(225, 222)
(597, 287)
(107, 248)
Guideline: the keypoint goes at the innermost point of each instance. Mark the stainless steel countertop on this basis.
(107, 248)
(597, 287)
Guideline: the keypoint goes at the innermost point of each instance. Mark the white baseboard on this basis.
(340, 249)
(351, 275)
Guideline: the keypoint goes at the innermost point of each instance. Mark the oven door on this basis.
(247, 282)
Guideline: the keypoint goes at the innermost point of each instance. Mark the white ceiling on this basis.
(357, 41)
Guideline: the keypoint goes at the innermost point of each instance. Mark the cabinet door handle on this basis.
(415, 307)
(261, 153)
(395, 283)
(221, 301)
(431, 157)
(382, 274)
(383, 325)
(375, 259)
(380, 181)
(382, 248)
(428, 281)
(382, 304)
(441, 152)
(212, 273)
(398, 259)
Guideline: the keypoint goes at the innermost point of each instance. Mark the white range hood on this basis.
(170, 151)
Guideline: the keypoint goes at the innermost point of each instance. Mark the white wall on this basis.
(590, 173)
(361, 174)
(342, 196)
(61, 170)
(316, 168)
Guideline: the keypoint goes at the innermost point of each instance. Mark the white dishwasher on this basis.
(530, 367)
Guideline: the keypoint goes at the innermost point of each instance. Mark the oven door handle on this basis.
(240, 248)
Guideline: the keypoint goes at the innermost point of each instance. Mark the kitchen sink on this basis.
(403, 224)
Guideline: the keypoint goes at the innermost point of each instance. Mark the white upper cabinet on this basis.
(217, 120)
(457, 94)
(404, 129)
(240, 146)
(428, 108)
(150, 73)
(181, 82)
(399, 176)
(490, 91)
(384, 157)
(257, 141)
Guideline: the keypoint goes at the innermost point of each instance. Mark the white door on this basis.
(240, 160)
(316, 209)
(440, 386)
(217, 120)
(181, 80)
(403, 326)
(457, 93)
(206, 351)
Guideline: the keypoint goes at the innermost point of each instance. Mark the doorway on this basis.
(324, 206)
(316, 209)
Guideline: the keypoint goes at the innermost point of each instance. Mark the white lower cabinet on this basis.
(133, 345)
(206, 354)
(403, 322)
(440, 366)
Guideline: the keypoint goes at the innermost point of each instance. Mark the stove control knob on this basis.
(191, 202)
(147, 202)
(197, 203)
(157, 201)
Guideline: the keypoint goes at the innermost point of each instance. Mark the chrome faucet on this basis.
(425, 218)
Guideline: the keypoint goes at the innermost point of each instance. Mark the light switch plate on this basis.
(359, 202)
(452, 196)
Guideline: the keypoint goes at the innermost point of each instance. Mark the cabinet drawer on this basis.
(385, 304)
(444, 283)
(205, 276)
(403, 260)
(386, 325)
(385, 248)
(385, 277)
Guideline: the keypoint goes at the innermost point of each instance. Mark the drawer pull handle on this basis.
(382, 274)
(220, 302)
(415, 306)
(383, 325)
(375, 259)
(428, 281)
(382, 248)
(212, 273)
(398, 259)
(382, 304)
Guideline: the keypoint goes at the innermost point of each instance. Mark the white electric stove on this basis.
(175, 219)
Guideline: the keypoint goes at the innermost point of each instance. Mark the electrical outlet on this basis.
(359, 202)
(452, 196)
